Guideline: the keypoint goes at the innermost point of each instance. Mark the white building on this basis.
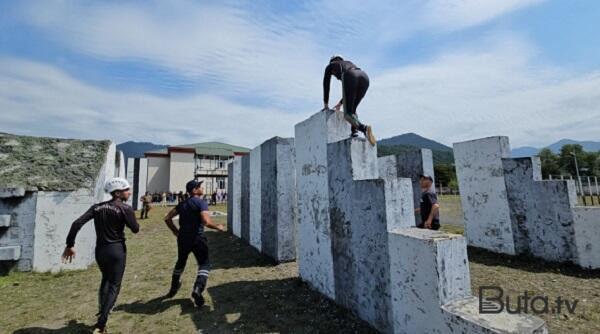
(171, 168)
(45, 184)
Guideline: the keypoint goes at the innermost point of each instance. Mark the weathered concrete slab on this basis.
(315, 259)
(483, 193)
(463, 316)
(12, 192)
(587, 236)
(10, 253)
(278, 203)
(245, 199)
(255, 198)
(22, 211)
(4, 220)
(236, 228)
(357, 207)
(230, 197)
(141, 179)
(543, 215)
(409, 164)
(429, 269)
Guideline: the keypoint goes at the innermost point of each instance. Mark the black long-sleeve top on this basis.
(335, 68)
(110, 219)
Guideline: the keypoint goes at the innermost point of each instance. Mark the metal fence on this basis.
(588, 188)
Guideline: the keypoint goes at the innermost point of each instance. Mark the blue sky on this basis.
(188, 71)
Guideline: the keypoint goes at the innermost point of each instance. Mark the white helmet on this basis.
(116, 183)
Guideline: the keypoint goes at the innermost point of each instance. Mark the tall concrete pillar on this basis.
(230, 199)
(255, 198)
(483, 193)
(245, 199)
(278, 202)
(315, 259)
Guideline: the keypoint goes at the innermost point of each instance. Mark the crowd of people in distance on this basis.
(166, 198)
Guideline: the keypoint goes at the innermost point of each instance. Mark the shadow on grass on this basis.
(72, 327)
(285, 305)
(529, 264)
(228, 251)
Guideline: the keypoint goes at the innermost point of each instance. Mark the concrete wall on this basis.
(410, 165)
(142, 179)
(20, 213)
(255, 196)
(483, 193)
(245, 199)
(230, 197)
(130, 176)
(158, 174)
(120, 165)
(587, 236)
(182, 168)
(55, 211)
(543, 216)
(315, 259)
(278, 199)
(236, 179)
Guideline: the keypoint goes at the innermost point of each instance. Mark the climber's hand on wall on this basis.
(68, 255)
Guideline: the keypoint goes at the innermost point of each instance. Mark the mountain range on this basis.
(442, 154)
(527, 151)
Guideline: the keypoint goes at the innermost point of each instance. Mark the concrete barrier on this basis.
(509, 209)
(255, 198)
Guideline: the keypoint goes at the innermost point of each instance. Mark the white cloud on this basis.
(41, 100)
(478, 92)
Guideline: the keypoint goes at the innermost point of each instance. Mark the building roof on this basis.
(209, 148)
(50, 164)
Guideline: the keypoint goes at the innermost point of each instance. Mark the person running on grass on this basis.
(193, 216)
(355, 83)
(110, 219)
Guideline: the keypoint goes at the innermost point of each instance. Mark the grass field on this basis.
(248, 293)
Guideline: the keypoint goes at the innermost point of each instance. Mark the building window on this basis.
(221, 164)
(221, 183)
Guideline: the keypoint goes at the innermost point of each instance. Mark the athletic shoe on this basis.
(98, 330)
(197, 296)
(370, 137)
(174, 289)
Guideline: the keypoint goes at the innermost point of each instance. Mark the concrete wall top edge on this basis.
(490, 138)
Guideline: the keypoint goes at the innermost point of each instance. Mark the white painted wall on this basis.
(55, 211)
(587, 236)
(237, 197)
(158, 174)
(142, 180)
(130, 175)
(181, 170)
(120, 165)
(483, 193)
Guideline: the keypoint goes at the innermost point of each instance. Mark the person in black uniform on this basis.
(429, 206)
(110, 219)
(193, 216)
(355, 83)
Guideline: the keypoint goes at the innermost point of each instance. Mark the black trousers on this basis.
(111, 259)
(199, 247)
(355, 85)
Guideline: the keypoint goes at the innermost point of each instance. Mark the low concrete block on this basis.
(5, 220)
(462, 316)
(12, 192)
(587, 236)
(10, 253)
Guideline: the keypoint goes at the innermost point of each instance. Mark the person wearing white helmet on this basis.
(355, 83)
(110, 219)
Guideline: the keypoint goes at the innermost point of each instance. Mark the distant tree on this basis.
(566, 160)
(444, 173)
(550, 163)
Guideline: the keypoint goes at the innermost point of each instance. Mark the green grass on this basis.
(450, 210)
(248, 293)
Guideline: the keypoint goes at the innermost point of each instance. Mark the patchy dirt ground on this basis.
(248, 293)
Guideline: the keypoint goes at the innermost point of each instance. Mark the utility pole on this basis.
(578, 177)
